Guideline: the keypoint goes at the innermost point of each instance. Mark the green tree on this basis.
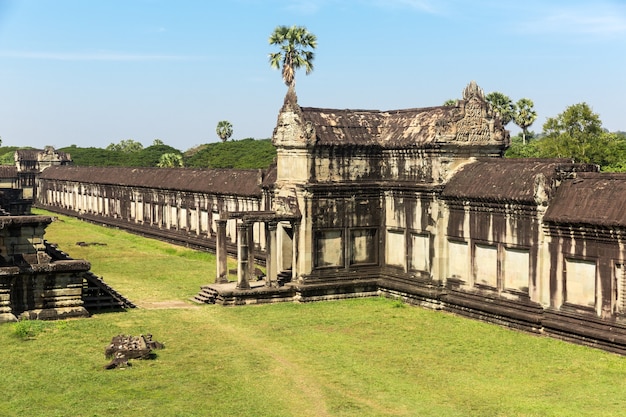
(170, 160)
(224, 130)
(127, 146)
(525, 115)
(502, 105)
(518, 149)
(157, 142)
(450, 102)
(575, 133)
(294, 43)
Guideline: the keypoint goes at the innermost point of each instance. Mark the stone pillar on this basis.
(220, 251)
(271, 250)
(251, 250)
(243, 282)
(198, 218)
(294, 262)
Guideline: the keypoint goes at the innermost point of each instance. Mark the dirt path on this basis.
(159, 305)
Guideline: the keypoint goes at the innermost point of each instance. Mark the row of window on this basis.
(491, 266)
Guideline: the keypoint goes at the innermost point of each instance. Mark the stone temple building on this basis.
(417, 204)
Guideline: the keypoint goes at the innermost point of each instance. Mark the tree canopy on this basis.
(242, 154)
(171, 160)
(576, 133)
(127, 145)
(294, 43)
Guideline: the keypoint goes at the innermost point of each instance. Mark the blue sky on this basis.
(94, 72)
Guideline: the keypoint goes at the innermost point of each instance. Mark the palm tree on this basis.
(224, 130)
(503, 105)
(293, 54)
(525, 115)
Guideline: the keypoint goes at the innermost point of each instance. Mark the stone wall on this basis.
(167, 212)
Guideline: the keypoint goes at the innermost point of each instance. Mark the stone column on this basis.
(271, 250)
(251, 250)
(243, 282)
(198, 218)
(220, 251)
(294, 262)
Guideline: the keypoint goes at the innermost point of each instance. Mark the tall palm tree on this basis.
(503, 105)
(224, 130)
(525, 115)
(294, 42)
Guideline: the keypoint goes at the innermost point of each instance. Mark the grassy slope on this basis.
(366, 357)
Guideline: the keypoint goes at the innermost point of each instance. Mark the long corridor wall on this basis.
(177, 205)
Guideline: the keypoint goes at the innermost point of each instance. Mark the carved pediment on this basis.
(472, 123)
(476, 126)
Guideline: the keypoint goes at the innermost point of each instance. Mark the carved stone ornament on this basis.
(477, 124)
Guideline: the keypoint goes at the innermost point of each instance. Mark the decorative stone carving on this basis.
(477, 124)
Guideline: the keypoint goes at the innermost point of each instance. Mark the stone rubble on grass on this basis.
(124, 348)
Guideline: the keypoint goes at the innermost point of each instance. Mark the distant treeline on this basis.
(240, 154)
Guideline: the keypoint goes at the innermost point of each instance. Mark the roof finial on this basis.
(291, 97)
(473, 90)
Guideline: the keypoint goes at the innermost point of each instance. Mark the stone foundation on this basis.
(32, 285)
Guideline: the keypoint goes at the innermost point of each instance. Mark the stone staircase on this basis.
(207, 295)
(97, 295)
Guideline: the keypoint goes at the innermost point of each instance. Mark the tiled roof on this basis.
(410, 127)
(8, 171)
(502, 180)
(594, 199)
(216, 181)
(469, 122)
(33, 154)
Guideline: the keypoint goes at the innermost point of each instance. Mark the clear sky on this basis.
(94, 72)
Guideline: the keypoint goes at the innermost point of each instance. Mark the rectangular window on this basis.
(580, 282)
(486, 265)
(516, 269)
(420, 252)
(363, 247)
(328, 248)
(395, 248)
(457, 259)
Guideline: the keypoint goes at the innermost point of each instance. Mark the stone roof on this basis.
(470, 122)
(212, 181)
(8, 171)
(35, 154)
(270, 176)
(409, 127)
(526, 181)
(592, 199)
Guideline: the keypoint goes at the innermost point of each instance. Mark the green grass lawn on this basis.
(363, 357)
